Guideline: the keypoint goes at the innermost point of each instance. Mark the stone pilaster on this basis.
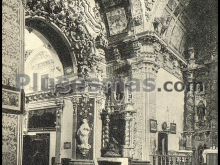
(144, 70)
(58, 133)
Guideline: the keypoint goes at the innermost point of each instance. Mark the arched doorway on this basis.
(47, 59)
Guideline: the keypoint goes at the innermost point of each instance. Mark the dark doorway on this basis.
(162, 143)
(36, 149)
(163, 148)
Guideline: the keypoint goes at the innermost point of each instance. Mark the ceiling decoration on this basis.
(117, 21)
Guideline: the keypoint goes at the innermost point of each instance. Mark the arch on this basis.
(56, 38)
(67, 21)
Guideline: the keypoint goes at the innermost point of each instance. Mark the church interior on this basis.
(109, 82)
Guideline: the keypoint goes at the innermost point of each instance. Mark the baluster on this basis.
(187, 160)
(180, 162)
(164, 160)
(190, 160)
(154, 160)
(176, 160)
(171, 161)
(165, 157)
(184, 160)
(157, 160)
(161, 160)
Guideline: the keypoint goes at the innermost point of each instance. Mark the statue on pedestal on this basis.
(83, 134)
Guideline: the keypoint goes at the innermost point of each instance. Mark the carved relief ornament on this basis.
(137, 13)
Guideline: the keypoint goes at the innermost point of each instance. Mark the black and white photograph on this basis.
(109, 82)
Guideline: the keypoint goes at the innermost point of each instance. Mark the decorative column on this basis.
(25, 120)
(58, 132)
(105, 130)
(75, 102)
(128, 116)
(189, 112)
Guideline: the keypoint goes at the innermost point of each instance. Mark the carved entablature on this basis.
(79, 26)
(151, 49)
(39, 96)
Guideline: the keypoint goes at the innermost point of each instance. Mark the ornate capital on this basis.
(145, 65)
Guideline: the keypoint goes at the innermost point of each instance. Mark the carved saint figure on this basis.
(83, 134)
(201, 110)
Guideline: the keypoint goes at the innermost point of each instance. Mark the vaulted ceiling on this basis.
(189, 22)
(203, 33)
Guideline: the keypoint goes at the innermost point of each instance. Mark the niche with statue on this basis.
(84, 132)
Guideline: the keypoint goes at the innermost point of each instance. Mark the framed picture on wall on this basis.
(67, 145)
(173, 128)
(153, 125)
(11, 100)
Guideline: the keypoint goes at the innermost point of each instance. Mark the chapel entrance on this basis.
(163, 148)
(162, 143)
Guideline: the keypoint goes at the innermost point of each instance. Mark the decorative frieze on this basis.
(39, 96)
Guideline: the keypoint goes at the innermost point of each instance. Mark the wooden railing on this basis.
(171, 160)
